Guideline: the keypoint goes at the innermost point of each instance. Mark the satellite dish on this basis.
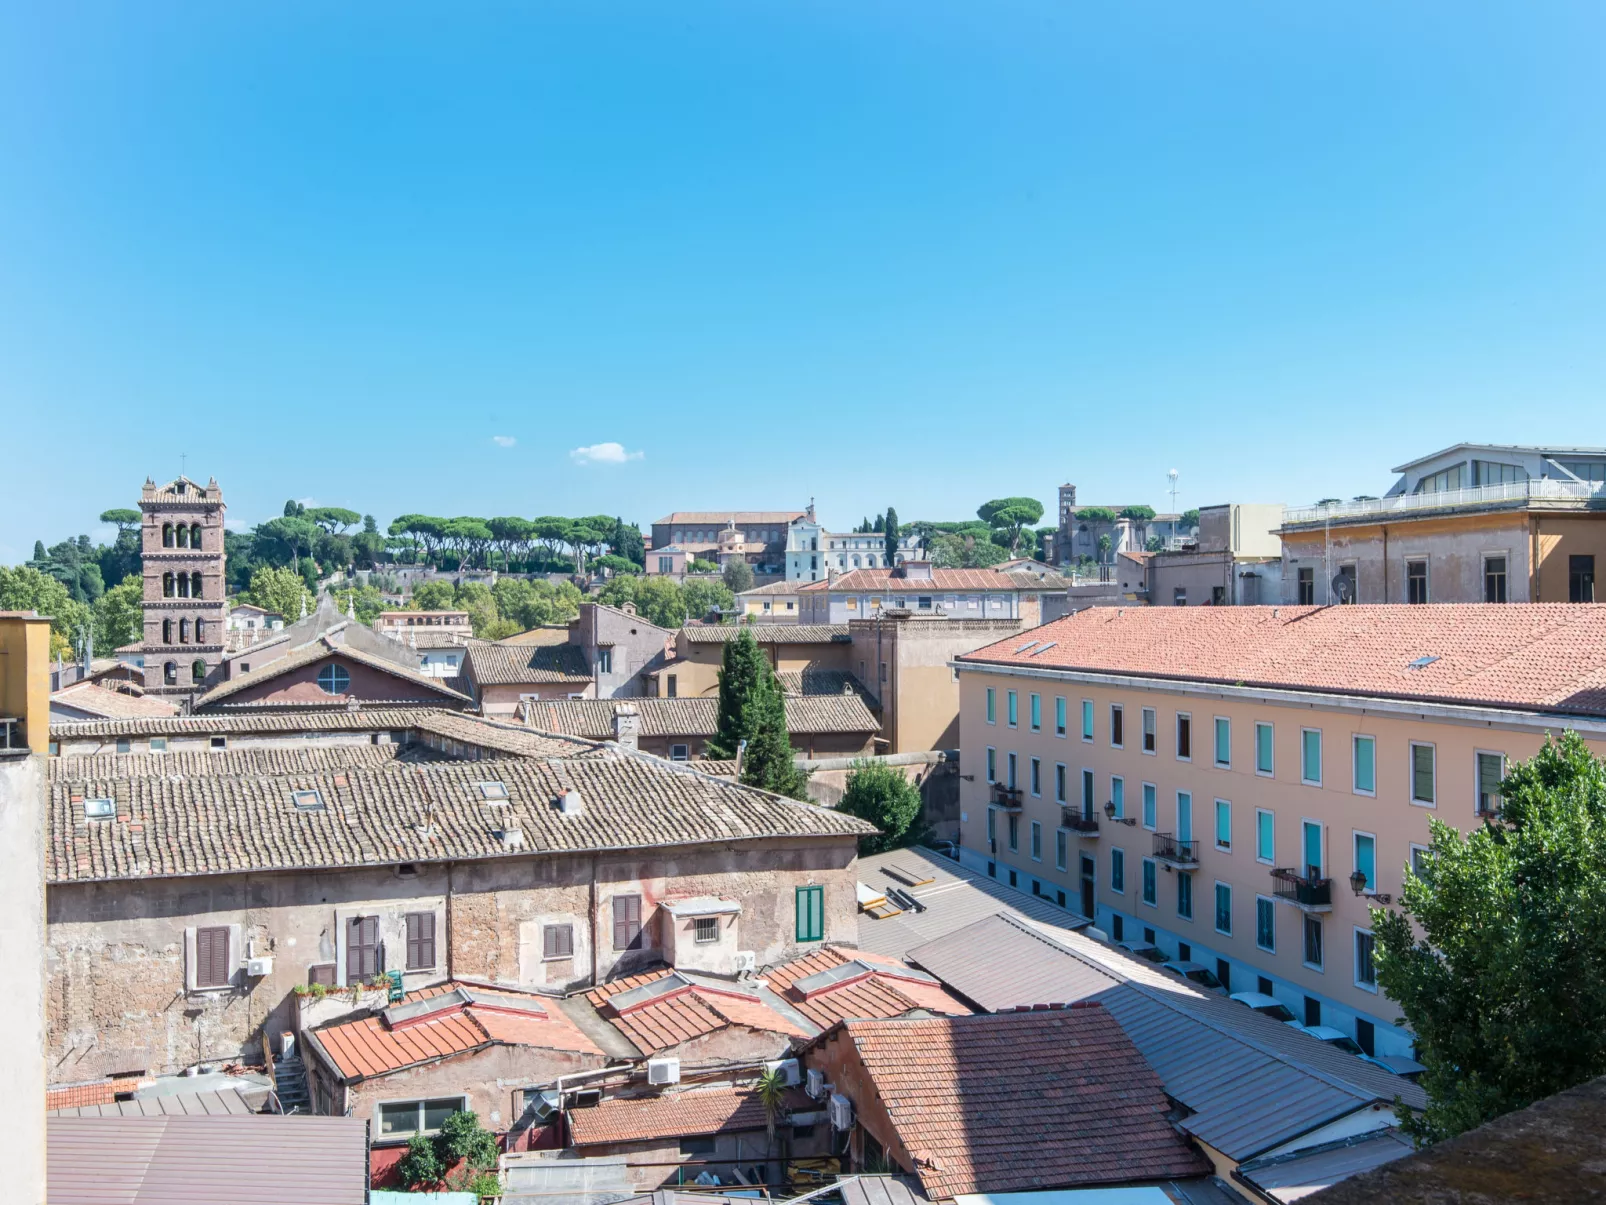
(1344, 588)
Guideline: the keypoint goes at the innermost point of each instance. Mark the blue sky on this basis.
(911, 253)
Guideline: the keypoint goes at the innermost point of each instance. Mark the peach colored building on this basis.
(1217, 781)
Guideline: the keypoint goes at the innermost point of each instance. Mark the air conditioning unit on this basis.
(840, 1111)
(791, 1072)
(544, 1105)
(816, 1083)
(585, 1098)
(746, 960)
(258, 967)
(663, 1071)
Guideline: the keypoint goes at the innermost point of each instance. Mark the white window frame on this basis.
(990, 707)
(1215, 896)
(1271, 861)
(1271, 744)
(191, 984)
(1061, 712)
(1411, 850)
(1035, 777)
(679, 752)
(1215, 721)
(1088, 721)
(991, 763)
(1355, 958)
(1114, 709)
(1114, 850)
(1319, 967)
(1176, 735)
(1476, 782)
(1215, 827)
(396, 1137)
(1059, 783)
(1143, 803)
(1118, 798)
(1355, 861)
(1062, 847)
(1150, 868)
(1011, 704)
(1035, 850)
(1321, 756)
(1145, 719)
(1427, 577)
(1034, 711)
(1354, 748)
(1410, 783)
(1272, 911)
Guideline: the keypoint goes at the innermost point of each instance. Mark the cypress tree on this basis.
(892, 537)
(743, 670)
(768, 763)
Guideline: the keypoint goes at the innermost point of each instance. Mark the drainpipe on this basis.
(595, 963)
(450, 945)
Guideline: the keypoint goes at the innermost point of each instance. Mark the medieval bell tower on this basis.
(182, 544)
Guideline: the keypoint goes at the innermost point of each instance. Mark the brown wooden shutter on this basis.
(626, 921)
(557, 941)
(212, 957)
(362, 948)
(323, 973)
(420, 940)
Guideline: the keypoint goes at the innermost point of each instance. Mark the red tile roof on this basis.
(684, 1011)
(940, 580)
(1022, 1101)
(496, 1016)
(103, 1093)
(880, 987)
(1530, 656)
(672, 1115)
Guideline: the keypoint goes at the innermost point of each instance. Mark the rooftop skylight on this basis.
(1422, 662)
(307, 801)
(99, 809)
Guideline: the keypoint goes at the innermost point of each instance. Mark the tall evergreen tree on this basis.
(743, 671)
(892, 537)
(752, 709)
(769, 762)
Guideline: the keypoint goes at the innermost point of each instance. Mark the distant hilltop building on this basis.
(182, 547)
(1129, 527)
(756, 536)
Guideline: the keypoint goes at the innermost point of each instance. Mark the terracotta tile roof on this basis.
(112, 704)
(447, 1019)
(941, 580)
(1021, 1101)
(1530, 656)
(768, 633)
(832, 984)
(729, 516)
(371, 815)
(103, 1093)
(593, 718)
(824, 682)
(333, 719)
(487, 736)
(194, 493)
(661, 1009)
(526, 664)
(551, 634)
(684, 1114)
(319, 650)
(771, 588)
(250, 760)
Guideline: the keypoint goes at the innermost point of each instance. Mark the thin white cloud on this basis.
(236, 525)
(604, 453)
(503, 441)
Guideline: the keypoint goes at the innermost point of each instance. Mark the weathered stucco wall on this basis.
(1455, 549)
(22, 1070)
(117, 952)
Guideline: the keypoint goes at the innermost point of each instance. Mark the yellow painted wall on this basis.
(25, 675)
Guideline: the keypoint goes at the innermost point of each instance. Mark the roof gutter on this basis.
(1422, 709)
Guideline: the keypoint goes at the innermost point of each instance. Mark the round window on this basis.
(333, 679)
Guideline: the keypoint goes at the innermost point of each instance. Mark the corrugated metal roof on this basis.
(955, 897)
(1294, 1177)
(262, 1159)
(1252, 1082)
(178, 1104)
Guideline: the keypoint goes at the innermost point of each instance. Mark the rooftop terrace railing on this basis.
(1538, 489)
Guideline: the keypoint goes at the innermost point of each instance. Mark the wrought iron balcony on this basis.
(1303, 891)
(1007, 797)
(1184, 855)
(1084, 826)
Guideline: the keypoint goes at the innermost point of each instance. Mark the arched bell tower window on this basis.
(183, 631)
(167, 535)
(183, 534)
(167, 585)
(195, 584)
(200, 631)
(170, 673)
(198, 671)
(167, 631)
(195, 535)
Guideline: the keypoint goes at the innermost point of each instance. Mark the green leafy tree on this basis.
(616, 564)
(617, 591)
(738, 576)
(278, 589)
(26, 589)
(627, 542)
(880, 524)
(293, 509)
(433, 595)
(695, 565)
(119, 615)
(1497, 957)
(511, 536)
(659, 600)
(1190, 518)
(122, 556)
(770, 1088)
(463, 1140)
(893, 534)
(752, 709)
(367, 601)
(476, 598)
(883, 796)
(1141, 513)
(1096, 514)
(420, 1167)
(125, 519)
(1155, 544)
(536, 604)
(333, 519)
(743, 671)
(285, 540)
(368, 545)
(1105, 545)
(701, 597)
(1009, 517)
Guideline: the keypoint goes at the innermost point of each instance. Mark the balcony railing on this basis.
(1542, 488)
(1086, 826)
(1179, 853)
(1304, 890)
(1007, 797)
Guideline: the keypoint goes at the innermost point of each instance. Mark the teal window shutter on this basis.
(811, 913)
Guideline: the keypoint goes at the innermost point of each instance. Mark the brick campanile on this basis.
(182, 543)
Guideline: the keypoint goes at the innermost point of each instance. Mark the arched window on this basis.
(200, 630)
(183, 631)
(333, 679)
(855, 560)
(198, 671)
(170, 673)
(183, 585)
(167, 535)
(195, 535)
(183, 534)
(167, 585)
(167, 631)
(195, 584)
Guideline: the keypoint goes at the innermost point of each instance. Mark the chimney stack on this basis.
(626, 726)
(569, 802)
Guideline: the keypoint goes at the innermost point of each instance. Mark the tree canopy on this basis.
(885, 797)
(893, 535)
(1008, 517)
(1497, 957)
(753, 709)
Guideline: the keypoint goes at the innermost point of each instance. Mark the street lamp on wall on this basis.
(1109, 812)
(1357, 883)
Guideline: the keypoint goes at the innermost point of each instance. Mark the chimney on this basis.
(512, 838)
(917, 571)
(569, 802)
(626, 726)
(741, 754)
(629, 608)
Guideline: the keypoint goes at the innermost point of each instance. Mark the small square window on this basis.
(679, 752)
(218, 742)
(158, 744)
(706, 929)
